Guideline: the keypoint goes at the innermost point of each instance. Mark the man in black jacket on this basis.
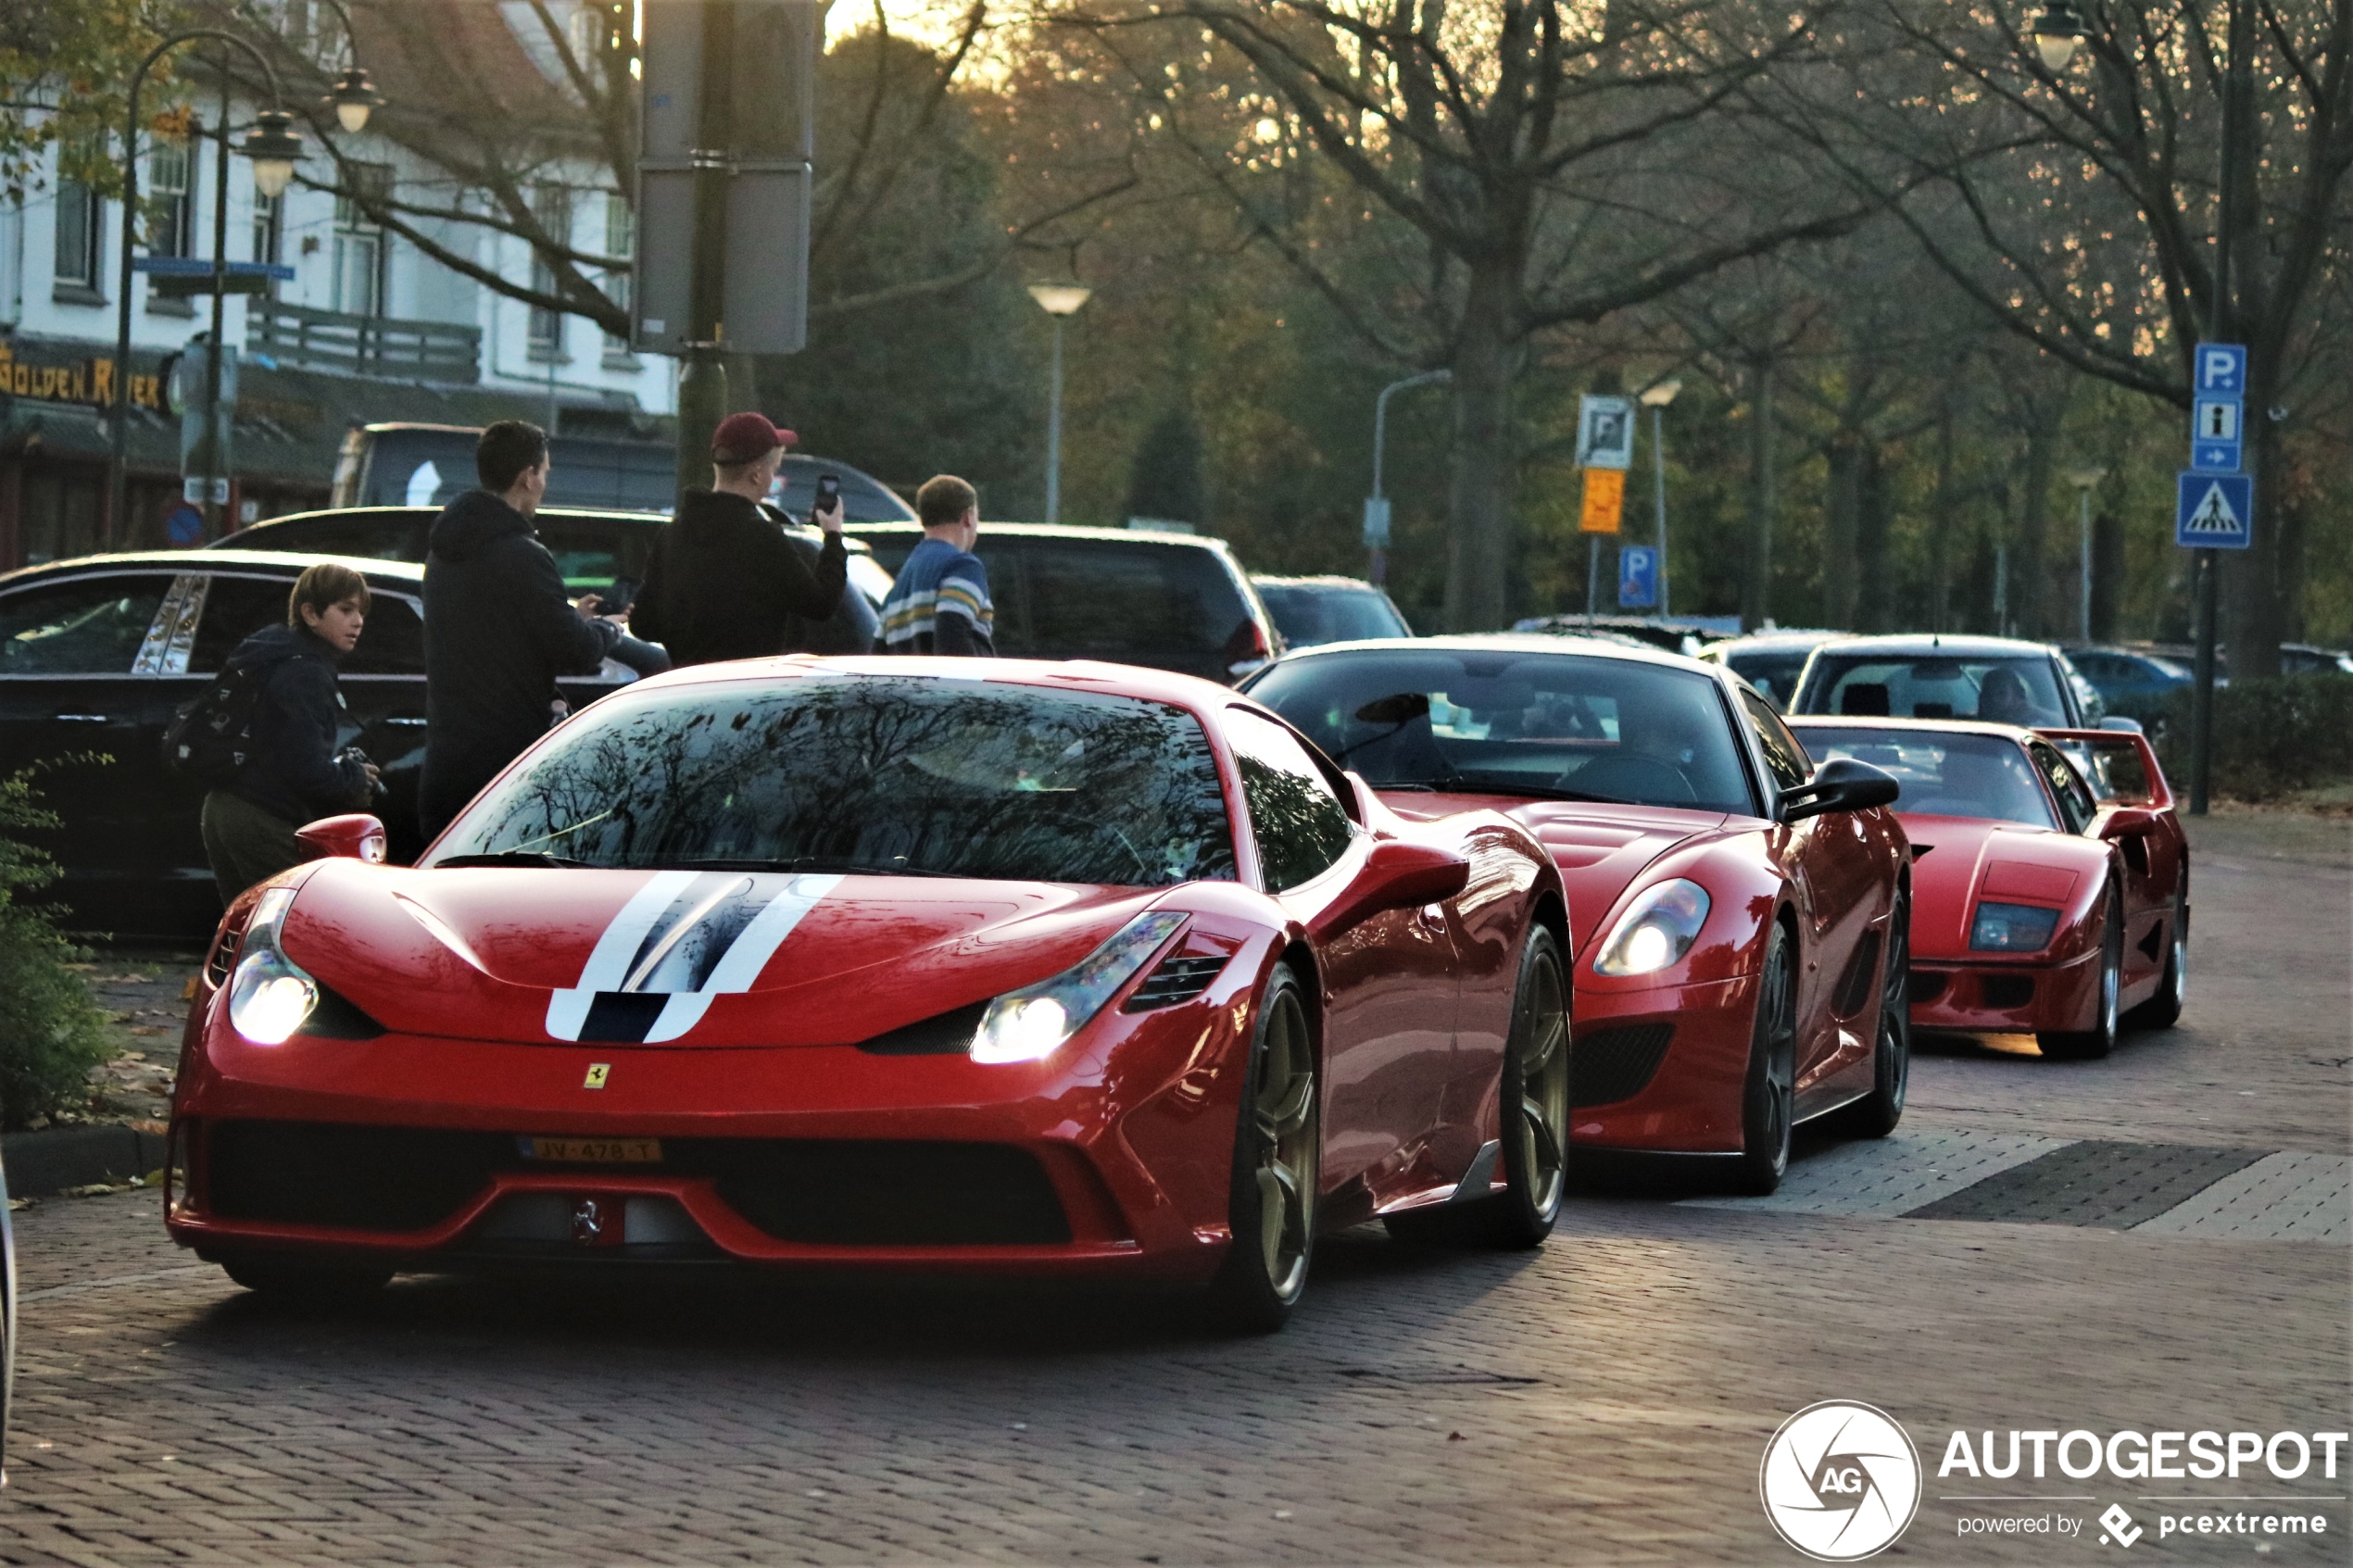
(498, 630)
(723, 581)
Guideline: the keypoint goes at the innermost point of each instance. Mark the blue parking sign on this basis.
(2220, 370)
(1637, 577)
(2214, 511)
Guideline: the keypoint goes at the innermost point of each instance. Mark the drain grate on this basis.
(2112, 1186)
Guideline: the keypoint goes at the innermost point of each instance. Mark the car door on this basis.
(1389, 991)
(2148, 897)
(76, 657)
(1841, 882)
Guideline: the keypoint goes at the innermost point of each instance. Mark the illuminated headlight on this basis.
(2011, 928)
(268, 996)
(1658, 931)
(1032, 1022)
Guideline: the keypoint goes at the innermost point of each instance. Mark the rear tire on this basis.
(2090, 1045)
(306, 1282)
(2164, 1010)
(1534, 1101)
(1277, 1163)
(1876, 1114)
(1769, 1099)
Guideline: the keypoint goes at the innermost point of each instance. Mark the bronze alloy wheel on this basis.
(2089, 1044)
(1277, 1161)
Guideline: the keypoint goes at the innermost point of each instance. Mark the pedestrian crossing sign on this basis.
(2214, 511)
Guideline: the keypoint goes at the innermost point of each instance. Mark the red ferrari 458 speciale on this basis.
(934, 964)
(2053, 889)
(1739, 919)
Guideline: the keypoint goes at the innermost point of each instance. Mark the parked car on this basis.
(1673, 637)
(1308, 610)
(2305, 658)
(2046, 905)
(2125, 674)
(1091, 974)
(423, 465)
(1930, 676)
(1771, 661)
(1739, 921)
(1169, 601)
(96, 653)
(599, 552)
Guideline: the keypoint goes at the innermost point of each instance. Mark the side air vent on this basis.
(1855, 989)
(224, 959)
(1927, 984)
(1180, 978)
(2007, 990)
(1616, 1064)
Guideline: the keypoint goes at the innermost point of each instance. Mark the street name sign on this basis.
(1637, 577)
(2212, 511)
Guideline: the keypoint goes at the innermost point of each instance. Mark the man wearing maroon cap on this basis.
(724, 581)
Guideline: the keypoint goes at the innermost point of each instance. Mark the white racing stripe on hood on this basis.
(608, 967)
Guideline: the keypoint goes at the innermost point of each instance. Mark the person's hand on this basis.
(588, 604)
(375, 774)
(830, 518)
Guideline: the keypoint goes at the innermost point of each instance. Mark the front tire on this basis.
(1769, 1099)
(1876, 1114)
(1277, 1163)
(2090, 1045)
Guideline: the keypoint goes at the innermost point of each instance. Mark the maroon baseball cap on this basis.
(743, 438)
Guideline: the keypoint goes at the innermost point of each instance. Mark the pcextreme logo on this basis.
(1840, 1481)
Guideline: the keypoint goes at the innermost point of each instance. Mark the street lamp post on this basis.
(1061, 302)
(1655, 398)
(1377, 503)
(2084, 479)
(272, 146)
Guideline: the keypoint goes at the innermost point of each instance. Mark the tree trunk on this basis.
(2107, 576)
(1939, 531)
(2031, 589)
(2253, 625)
(1844, 500)
(1756, 592)
(1874, 594)
(1478, 501)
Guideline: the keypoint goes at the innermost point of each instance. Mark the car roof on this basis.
(592, 514)
(1069, 674)
(1356, 584)
(2020, 733)
(1921, 645)
(1756, 640)
(278, 562)
(1517, 642)
(1068, 531)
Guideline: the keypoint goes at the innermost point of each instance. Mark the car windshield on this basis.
(1945, 773)
(867, 774)
(2000, 691)
(1773, 671)
(1310, 613)
(1539, 725)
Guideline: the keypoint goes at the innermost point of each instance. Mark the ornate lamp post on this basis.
(1061, 302)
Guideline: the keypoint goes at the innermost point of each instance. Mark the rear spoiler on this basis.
(2120, 765)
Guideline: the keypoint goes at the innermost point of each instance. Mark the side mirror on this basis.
(1397, 875)
(2129, 821)
(1839, 785)
(355, 836)
(2118, 722)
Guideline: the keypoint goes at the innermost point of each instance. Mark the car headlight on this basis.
(1658, 931)
(268, 995)
(1032, 1022)
(2011, 928)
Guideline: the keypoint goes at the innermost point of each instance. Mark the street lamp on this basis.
(2058, 31)
(354, 96)
(1655, 397)
(2084, 479)
(272, 146)
(1061, 301)
(1377, 503)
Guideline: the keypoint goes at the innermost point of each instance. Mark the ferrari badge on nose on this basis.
(597, 1073)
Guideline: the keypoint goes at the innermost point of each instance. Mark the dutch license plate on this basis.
(594, 1151)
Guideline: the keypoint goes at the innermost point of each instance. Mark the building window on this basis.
(268, 226)
(80, 240)
(171, 229)
(621, 240)
(551, 206)
(359, 240)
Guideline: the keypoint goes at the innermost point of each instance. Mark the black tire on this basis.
(1876, 1114)
(1534, 1099)
(2164, 1010)
(306, 1282)
(1278, 1162)
(1769, 1099)
(2090, 1045)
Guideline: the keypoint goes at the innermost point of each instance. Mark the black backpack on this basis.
(210, 740)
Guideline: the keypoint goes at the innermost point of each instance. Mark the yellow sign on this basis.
(87, 381)
(1605, 495)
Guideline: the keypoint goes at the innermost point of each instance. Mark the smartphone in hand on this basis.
(828, 494)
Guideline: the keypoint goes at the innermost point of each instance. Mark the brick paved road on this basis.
(1606, 1401)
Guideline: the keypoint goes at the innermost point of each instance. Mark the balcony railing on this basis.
(303, 339)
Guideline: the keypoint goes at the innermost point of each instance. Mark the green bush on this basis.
(51, 1033)
(2273, 734)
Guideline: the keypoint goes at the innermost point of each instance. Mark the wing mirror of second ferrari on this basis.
(354, 836)
(1397, 874)
(1839, 785)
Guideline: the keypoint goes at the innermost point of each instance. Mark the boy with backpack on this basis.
(264, 737)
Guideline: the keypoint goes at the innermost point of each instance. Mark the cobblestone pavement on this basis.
(1603, 1400)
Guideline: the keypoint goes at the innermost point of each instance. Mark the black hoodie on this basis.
(724, 583)
(295, 774)
(499, 630)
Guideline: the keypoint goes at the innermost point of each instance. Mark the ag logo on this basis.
(1840, 1480)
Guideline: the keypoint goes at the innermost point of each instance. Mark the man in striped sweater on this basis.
(939, 603)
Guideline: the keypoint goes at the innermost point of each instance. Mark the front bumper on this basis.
(1661, 1068)
(2011, 997)
(1111, 1159)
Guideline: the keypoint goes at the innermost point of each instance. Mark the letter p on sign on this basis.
(2221, 370)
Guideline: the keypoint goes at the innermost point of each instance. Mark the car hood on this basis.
(1958, 859)
(681, 957)
(1600, 848)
